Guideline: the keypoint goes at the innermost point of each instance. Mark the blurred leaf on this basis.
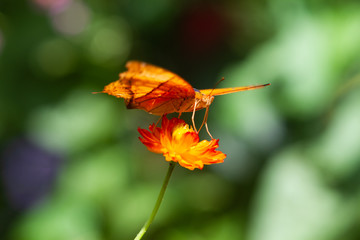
(292, 194)
(96, 176)
(62, 219)
(337, 150)
(82, 120)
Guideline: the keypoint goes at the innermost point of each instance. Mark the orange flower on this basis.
(179, 143)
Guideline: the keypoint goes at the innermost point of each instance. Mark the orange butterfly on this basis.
(159, 91)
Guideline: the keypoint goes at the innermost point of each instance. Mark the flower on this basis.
(180, 143)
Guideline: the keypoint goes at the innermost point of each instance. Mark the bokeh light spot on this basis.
(110, 43)
(52, 6)
(73, 19)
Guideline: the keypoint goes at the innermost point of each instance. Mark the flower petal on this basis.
(180, 143)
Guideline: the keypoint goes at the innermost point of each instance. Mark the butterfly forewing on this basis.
(153, 89)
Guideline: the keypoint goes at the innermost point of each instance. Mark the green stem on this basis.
(157, 204)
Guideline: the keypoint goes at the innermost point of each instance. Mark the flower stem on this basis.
(158, 202)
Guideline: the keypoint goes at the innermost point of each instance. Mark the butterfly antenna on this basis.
(216, 84)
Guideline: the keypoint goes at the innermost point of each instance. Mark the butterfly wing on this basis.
(151, 88)
(222, 91)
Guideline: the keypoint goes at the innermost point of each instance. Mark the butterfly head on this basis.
(204, 100)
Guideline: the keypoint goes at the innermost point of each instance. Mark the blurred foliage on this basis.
(73, 168)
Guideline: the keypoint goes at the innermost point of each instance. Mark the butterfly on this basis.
(159, 91)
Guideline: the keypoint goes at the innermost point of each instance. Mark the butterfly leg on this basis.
(207, 129)
(158, 121)
(205, 122)
(193, 115)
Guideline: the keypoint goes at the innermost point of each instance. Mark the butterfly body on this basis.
(159, 91)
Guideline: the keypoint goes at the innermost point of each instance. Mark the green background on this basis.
(72, 166)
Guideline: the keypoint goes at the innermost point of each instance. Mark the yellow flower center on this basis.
(180, 130)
